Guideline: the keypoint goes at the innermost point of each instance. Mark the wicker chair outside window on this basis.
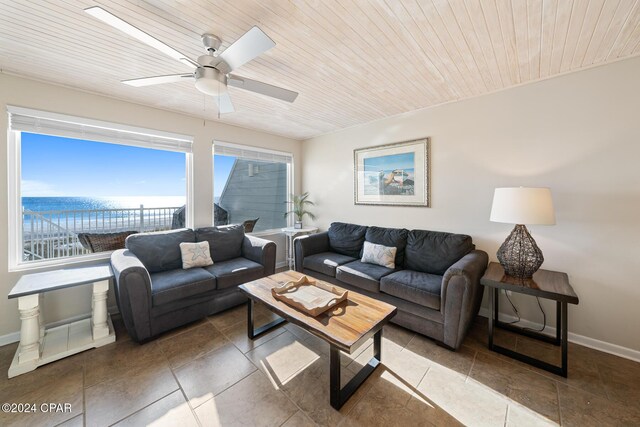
(102, 242)
(249, 225)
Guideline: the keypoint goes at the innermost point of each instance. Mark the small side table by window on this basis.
(547, 284)
(291, 233)
(38, 345)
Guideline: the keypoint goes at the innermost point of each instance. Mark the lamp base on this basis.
(519, 255)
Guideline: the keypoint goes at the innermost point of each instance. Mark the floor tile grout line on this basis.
(153, 343)
(413, 393)
(604, 387)
(231, 385)
(143, 408)
(291, 416)
(184, 395)
(182, 330)
(84, 389)
(289, 398)
(199, 356)
(166, 360)
(473, 363)
(557, 381)
(559, 404)
(259, 345)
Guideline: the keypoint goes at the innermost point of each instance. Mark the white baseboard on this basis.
(606, 347)
(15, 336)
(10, 338)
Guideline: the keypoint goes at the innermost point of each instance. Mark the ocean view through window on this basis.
(77, 192)
(80, 196)
(251, 184)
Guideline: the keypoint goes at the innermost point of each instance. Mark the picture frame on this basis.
(393, 174)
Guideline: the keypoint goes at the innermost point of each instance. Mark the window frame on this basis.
(14, 178)
(290, 178)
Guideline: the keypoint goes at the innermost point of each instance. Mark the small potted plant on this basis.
(300, 204)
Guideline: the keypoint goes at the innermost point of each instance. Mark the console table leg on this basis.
(29, 349)
(492, 304)
(565, 338)
(290, 253)
(41, 316)
(100, 327)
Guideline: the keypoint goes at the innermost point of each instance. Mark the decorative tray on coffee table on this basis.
(309, 295)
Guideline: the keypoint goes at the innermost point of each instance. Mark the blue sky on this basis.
(55, 166)
(394, 161)
(221, 168)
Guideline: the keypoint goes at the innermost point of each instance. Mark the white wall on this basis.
(578, 134)
(32, 94)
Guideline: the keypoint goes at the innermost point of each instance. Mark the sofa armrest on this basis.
(261, 251)
(133, 293)
(461, 295)
(309, 245)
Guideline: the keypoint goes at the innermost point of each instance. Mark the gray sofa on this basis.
(435, 284)
(155, 294)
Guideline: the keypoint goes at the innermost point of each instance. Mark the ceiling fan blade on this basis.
(262, 88)
(223, 101)
(117, 23)
(252, 43)
(158, 80)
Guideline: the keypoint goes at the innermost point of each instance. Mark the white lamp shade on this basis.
(523, 205)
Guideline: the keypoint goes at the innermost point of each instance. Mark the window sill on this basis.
(266, 232)
(59, 262)
(67, 262)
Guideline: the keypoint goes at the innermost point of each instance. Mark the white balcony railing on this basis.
(54, 234)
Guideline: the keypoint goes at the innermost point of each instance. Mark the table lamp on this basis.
(519, 255)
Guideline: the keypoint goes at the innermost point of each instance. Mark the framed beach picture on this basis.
(394, 174)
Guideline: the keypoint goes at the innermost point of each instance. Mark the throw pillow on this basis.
(195, 254)
(379, 254)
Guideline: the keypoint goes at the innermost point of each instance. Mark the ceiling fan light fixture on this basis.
(210, 81)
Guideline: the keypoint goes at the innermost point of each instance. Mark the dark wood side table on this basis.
(547, 284)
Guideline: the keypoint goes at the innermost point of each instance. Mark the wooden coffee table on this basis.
(345, 327)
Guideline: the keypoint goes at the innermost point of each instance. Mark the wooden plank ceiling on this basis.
(351, 61)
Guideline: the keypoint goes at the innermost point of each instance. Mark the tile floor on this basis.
(209, 373)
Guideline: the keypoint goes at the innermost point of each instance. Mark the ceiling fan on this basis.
(213, 70)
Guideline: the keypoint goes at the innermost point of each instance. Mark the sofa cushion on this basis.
(362, 275)
(414, 286)
(160, 251)
(346, 239)
(225, 242)
(393, 237)
(326, 262)
(373, 253)
(434, 252)
(172, 285)
(235, 272)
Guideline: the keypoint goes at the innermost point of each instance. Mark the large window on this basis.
(80, 187)
(251, 184)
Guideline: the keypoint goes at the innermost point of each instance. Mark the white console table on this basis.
(291, 233)
(39, 346)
